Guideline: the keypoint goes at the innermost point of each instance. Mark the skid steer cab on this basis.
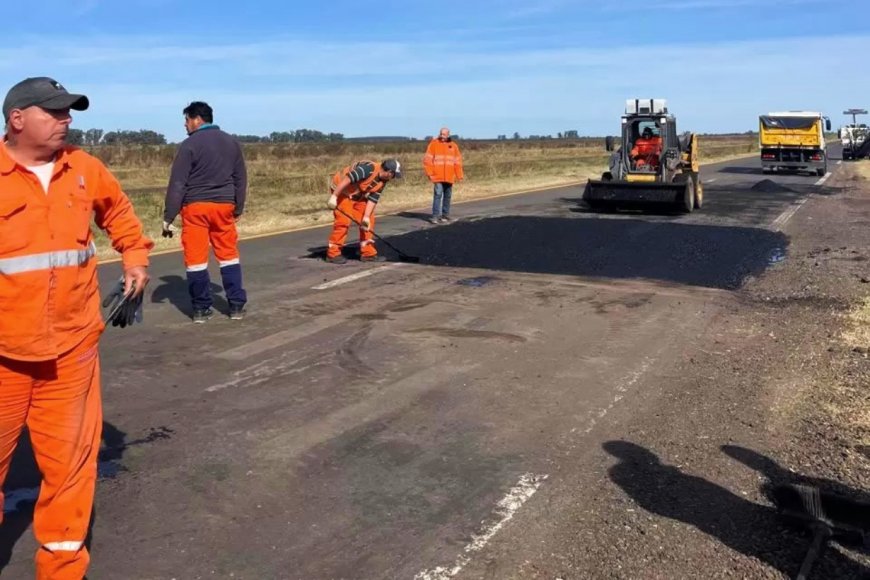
(653, 167)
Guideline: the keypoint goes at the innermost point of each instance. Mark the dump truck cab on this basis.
(653, 165)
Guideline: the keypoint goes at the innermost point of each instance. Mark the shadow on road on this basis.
(423, 217)
(174, 290)
(744, 526)
(22, 484)
(698, 255)
(852, 506)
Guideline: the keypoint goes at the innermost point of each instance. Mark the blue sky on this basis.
(481, 67)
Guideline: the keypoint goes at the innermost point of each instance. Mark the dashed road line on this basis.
(507, 507)
(824, 179)
(783, 218)
(355, 277)
(709, 180)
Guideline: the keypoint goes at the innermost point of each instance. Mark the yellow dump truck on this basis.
(793, 140)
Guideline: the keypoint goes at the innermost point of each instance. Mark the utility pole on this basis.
(855, 113)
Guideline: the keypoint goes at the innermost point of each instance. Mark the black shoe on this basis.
(237, 312)
(376, 258)
(337, 260)
(445, 219)
(200, 316)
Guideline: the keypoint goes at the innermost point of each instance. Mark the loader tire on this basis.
(687, 204)
(699, 195)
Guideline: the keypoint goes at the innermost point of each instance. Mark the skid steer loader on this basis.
(654, 166)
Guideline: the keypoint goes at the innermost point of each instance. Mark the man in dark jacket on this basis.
(207, 186)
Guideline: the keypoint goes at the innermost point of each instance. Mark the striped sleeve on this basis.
(361, 171)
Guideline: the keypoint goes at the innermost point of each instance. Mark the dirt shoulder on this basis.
(776, 391)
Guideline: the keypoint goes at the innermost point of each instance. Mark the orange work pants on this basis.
(342, 224)
(204, 224)
(59, 401)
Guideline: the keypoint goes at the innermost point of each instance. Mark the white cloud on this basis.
(411, 88)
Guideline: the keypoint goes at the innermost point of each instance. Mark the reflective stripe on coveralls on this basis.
(46, 261)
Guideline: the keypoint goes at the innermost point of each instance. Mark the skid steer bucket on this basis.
(598, 193)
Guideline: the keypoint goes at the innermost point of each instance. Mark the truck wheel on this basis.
(688, 202)
(699, 195)
(822, 171)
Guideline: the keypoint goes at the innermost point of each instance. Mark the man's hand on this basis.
(333, 201)
(366, 223)
(237, 218)
(168, 229)
(135, 278)
(125, 300)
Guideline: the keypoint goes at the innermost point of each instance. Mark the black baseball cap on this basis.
(393, 166)
(42, 92)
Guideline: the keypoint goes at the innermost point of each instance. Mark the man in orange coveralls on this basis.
(208, 186)
(51, 323)
(355, 192)
(647, 149)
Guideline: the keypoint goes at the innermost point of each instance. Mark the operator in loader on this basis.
(647, 150)
(354, 194)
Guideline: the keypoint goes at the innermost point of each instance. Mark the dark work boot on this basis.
(200, 316)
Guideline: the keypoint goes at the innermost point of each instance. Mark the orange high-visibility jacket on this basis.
(48, 270)
(647, 147)
(369, 189)
(443, 161)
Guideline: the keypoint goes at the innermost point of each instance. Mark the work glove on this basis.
(124, 310)
(333, 202)
(366, 223)
(168, 229)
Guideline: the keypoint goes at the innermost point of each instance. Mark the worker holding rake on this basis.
(354, 194)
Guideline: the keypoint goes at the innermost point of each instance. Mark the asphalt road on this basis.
(388, 420)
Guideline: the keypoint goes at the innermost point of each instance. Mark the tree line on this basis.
(94, 137)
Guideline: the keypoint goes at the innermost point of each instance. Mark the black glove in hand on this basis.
(125, 310)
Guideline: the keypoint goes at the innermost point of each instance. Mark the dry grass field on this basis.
(288, 182)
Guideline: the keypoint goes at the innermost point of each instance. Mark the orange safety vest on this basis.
(443, 161)
(360, 191)
(647, 147)
(49, 294)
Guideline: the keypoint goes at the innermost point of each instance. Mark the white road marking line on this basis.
(621, 390)
(783, 218)
(505, 510)
(823, 179)
(355, 277)
(710, 180)
(264, 371)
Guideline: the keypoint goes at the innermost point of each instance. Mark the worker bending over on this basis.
(354, 194)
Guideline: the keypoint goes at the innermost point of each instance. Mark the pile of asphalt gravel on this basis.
(770, 186)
